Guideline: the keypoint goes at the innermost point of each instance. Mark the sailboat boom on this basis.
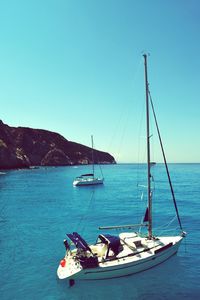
(122, 226)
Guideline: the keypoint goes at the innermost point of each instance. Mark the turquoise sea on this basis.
(39, 206)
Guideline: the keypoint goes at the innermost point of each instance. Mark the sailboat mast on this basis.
(92, 156)
(148, 152)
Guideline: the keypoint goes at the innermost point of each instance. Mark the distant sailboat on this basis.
(88, 179)
(128, 252)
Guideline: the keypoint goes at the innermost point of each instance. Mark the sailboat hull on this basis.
(88, 181)
(129, 268)
(130, 264)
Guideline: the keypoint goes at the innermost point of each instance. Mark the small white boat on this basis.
(128, 252)
(89, 179)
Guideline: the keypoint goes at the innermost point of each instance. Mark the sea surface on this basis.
(39, 206)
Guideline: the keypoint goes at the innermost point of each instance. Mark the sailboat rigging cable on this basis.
(92, 155)
(165, 161)
(82, 222)
(97, 159)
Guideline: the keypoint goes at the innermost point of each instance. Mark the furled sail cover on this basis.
(146, 217)
(78, 241)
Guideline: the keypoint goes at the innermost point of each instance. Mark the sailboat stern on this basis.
(69, 268)
(77, 259)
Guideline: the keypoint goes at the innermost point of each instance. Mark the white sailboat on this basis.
(128, 252)
(88, 179)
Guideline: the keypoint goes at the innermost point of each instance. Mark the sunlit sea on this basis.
(39, 206)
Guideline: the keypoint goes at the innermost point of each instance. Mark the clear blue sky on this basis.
(76, 68)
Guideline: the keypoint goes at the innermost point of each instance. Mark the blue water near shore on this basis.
(38, 207)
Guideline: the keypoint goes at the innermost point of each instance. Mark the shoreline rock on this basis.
(23, 147)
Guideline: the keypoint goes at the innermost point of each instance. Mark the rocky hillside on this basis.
(22, 147)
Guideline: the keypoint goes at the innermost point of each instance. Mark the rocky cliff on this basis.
(22, 147)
